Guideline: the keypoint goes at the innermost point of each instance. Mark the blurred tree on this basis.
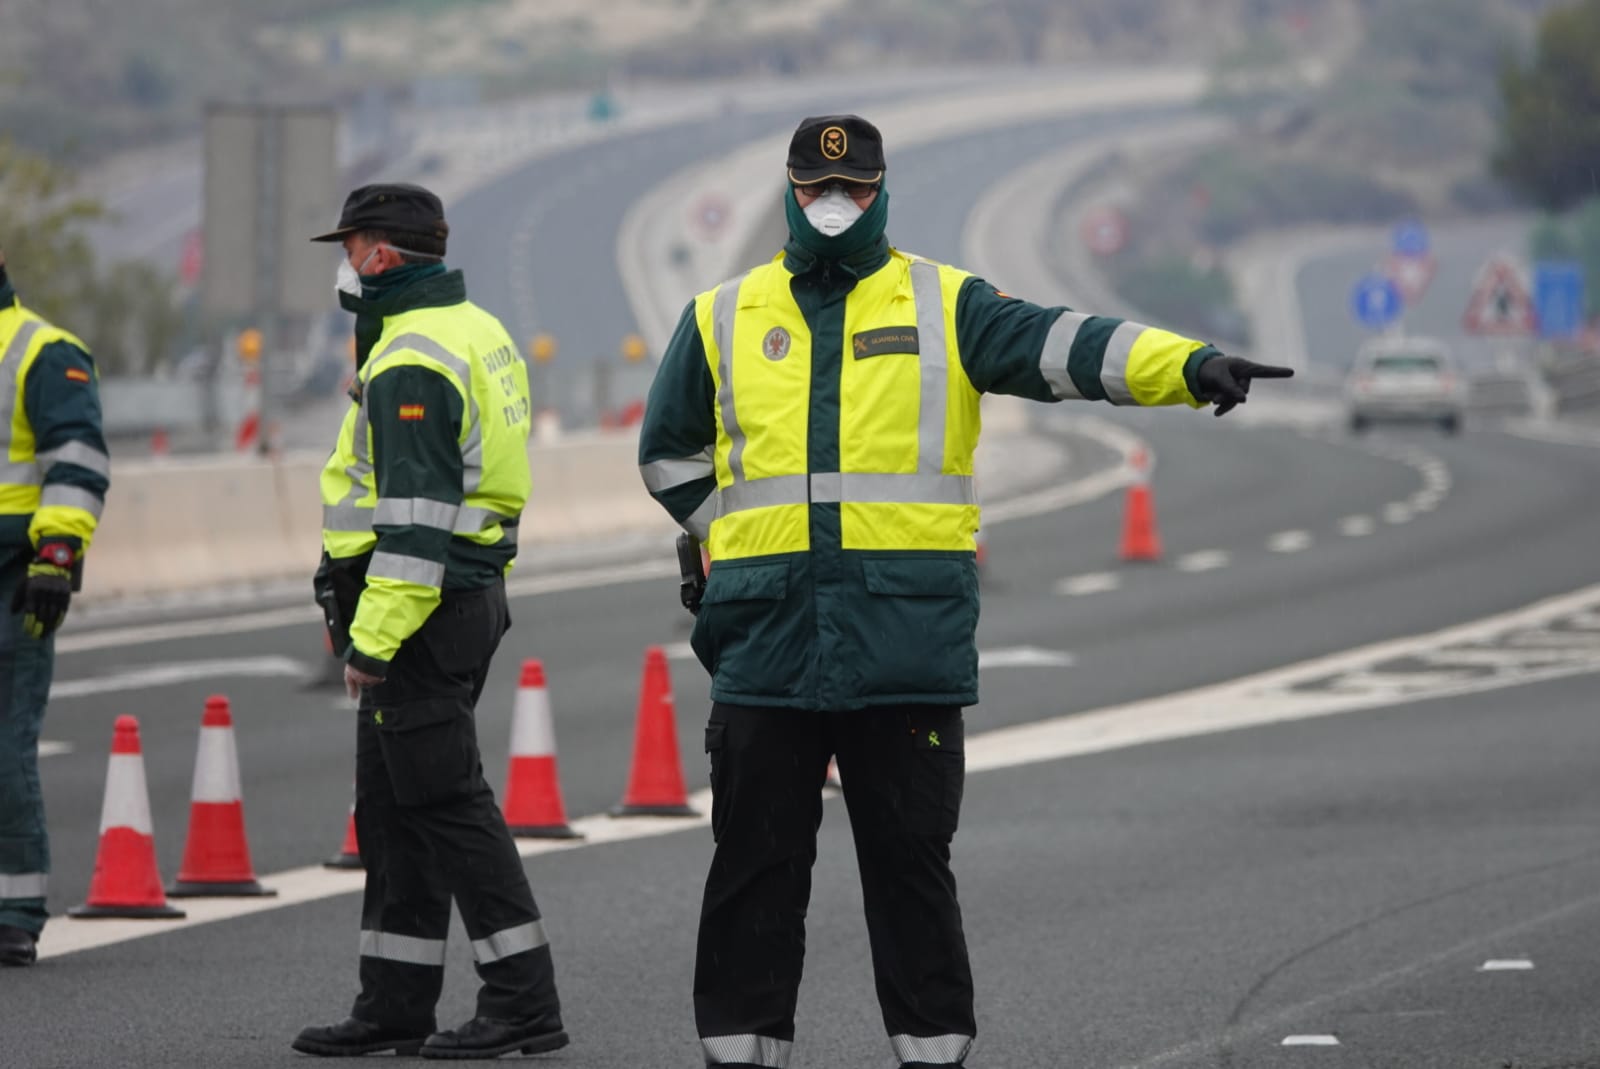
(1549, 147)
(127, 315)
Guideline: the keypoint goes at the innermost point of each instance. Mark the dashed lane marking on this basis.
(1397, 513)
(1506, 965)
(1311, 1041)
(1289, 541)
(1093, 583)
(1357, 526)
(52, 748)
(166, 675)
(1204, 560)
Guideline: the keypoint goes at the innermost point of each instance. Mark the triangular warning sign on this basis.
(1500, 302)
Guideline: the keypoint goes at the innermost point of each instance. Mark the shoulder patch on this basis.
(411, 413)
(77, 374)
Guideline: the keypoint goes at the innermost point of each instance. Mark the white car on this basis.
(1405, 380)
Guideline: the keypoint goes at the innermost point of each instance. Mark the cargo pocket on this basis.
(916, 626)
(430, 749)
(938, 771)
(743, 636)
(716, 735)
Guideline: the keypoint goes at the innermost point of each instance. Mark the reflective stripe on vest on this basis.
(15, 472)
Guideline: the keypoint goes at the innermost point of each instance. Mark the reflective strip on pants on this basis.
(933, 1050)
(509, 941)
(23, 885)
(747, 1050)
(410, 949)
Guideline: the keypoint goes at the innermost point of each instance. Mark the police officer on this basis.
(814, 421)
(421, 499)
(54, 474)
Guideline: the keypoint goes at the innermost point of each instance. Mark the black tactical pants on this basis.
(902, 769)
(429, 831)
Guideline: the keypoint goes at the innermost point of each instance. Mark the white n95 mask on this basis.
(833, 213)
(346, 280)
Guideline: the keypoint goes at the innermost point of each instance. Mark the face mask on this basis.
(347, 279)
(833, 213)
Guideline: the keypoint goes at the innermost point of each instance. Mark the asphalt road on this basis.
(1184, 903)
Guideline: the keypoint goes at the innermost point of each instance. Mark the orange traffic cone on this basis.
(831, 777)
(349, 855)
(1139, 538)
(533, 790)
(126, 882)
(216, 858)
(655, 785)
(159, 445)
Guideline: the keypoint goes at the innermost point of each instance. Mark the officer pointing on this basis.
(54, 474)
(421, 500)
(814, 422)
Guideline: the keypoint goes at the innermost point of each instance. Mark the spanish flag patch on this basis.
(77, 374)
(412, 412)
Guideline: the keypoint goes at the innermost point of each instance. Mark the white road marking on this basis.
(1505, 965)
(167, 675)
(1093, 583)
(1311, 1041)
(1277, 696)
(1397, 512)
(52, 748)
(678, 651)
(1204, 560)
(1357, 526)
(1289, 541)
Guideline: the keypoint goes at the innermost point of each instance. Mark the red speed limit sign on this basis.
(1104, 230)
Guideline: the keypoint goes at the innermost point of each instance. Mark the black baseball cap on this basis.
(835, 146)
(411, 215)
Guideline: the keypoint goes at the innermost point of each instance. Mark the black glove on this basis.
(1225, 380)
(42, 598)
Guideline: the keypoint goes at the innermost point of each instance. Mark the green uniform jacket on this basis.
(814, 636)
(64, 411)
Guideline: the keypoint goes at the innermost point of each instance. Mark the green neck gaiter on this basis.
(863, 235)
(382, 295)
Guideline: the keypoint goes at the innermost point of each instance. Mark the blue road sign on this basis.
(1411, 239)
(1376, 301)
(1558, 298)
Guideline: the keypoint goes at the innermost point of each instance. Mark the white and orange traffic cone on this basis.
(1140, 540)
(655, 782)
(533, 804)
(216, 856)
(126, 881)
(349, 855)
(831, 777)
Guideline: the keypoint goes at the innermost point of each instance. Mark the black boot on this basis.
(351, 1037)
(490, 1037)
(17, 947)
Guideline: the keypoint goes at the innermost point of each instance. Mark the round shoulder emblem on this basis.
(775, 346)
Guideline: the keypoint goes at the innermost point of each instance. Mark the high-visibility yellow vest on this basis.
(472, 350)
(62, 509)
(908, 415)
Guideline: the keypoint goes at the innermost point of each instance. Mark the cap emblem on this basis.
(834, 143)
